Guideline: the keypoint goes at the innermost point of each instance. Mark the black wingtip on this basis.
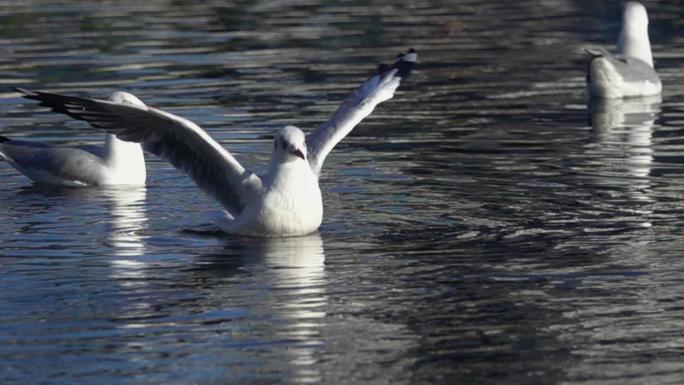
(28, 94)
(57, 102)
(23, 91)
(382, 67)
(3, 139)
(404, 64)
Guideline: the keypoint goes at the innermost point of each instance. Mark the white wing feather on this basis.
(355, 108)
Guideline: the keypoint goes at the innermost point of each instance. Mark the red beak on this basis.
(298, 153)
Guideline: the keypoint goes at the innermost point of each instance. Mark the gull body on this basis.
(286, 201)
(630, 73)
(289, 201)
(115, 163)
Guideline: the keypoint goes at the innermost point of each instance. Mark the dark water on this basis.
(484, 227)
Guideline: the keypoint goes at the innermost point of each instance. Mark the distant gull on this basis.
(630, 72)
(115, 163)
(286, 201)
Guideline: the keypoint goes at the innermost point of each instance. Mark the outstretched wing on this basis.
(356, 107)
(181, 142)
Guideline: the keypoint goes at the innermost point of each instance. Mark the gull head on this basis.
(634, 16)
(289, 144)
(125, 98)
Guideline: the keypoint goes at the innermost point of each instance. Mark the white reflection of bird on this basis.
(115, 163)
(631, 72)
(299, 263)
(624, 129)
(284, 202)
(128, 218)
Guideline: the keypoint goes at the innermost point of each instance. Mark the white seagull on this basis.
(630, 72)
(286, 201)
(115, 163)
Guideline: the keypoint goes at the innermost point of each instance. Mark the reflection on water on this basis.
(624, 151)
(299, 265)
(127, 217)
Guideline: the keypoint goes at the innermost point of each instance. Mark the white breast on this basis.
(291, 205)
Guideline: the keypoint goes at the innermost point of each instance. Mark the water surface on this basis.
(486, 226)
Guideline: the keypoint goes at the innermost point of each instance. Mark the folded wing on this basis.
(356, 107)
(54, 165)
(181, 142)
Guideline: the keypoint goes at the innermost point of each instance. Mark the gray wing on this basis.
(356, 107)
(181, 142)
(44, 163)
(631, 69)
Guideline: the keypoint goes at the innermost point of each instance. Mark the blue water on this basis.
(485, 226)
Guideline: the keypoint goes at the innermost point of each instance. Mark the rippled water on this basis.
(485, 226)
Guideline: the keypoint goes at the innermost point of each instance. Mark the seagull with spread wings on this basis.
(286, 201)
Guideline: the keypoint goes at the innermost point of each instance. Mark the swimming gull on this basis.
(630, 72)
(116, 163)
(286, 201)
